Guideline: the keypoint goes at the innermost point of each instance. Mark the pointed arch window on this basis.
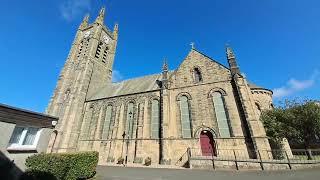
(98, 51)
(80, 48)
(63, 103)
(221, 114)
(129, 122)
(66, 95)
(185, 117)
(107, 122)
(155, 118)
(197, 75)
(85, 133)
(105, 53)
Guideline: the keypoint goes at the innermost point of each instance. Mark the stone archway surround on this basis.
(196, 135)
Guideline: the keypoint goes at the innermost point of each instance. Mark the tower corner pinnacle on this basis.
(100, 18)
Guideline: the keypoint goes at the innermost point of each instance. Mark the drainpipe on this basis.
(160, 84)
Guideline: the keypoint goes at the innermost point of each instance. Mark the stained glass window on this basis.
(155, 119)
(185, 117)
(221, 114)
(107, 122)
(129, 122)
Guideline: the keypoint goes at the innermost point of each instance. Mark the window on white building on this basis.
(24, 137)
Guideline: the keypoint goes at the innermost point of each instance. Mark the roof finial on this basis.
(165, 74)
(232, 60)
(165, 65)
(229, 51)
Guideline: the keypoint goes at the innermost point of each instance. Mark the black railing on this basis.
(184, 160)
(264, 157)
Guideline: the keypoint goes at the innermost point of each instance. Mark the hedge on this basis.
(62, 166)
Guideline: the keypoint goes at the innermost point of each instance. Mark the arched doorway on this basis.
(207, 143)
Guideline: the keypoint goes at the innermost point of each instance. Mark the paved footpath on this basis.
(131, 173)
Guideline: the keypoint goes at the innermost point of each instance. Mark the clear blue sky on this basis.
(276, 42)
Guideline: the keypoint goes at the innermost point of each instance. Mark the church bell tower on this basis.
(87, 68)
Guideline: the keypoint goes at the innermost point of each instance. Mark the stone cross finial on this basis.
(192, 45)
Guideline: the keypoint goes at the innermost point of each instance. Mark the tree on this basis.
(306, 122)
(299, 122)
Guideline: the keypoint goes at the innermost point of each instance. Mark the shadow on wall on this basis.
(9, 171)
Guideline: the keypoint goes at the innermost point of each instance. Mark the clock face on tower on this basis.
(87, 34)
(106, 39)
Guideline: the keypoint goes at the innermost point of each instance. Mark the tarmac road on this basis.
(131, 173)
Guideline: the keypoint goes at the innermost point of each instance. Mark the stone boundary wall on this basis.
(254, 165)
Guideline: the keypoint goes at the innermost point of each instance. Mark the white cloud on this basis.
(70, 9)
(293, 86)
(116, 76)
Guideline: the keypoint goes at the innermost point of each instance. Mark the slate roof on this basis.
(141, 84)
(136, 85)
(20, 116)
(254, 86)
(131, 86)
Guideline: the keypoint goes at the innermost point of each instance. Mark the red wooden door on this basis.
(207, 144)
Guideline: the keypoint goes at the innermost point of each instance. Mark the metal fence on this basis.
(263, 157)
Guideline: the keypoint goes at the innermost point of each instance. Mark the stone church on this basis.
(202, 105)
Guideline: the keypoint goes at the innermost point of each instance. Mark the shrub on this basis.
(63, 165)
(82, 165)
(147, 161)
(120, 160)
(55, 164)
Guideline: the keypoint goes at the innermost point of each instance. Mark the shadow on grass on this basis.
(37, 175)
